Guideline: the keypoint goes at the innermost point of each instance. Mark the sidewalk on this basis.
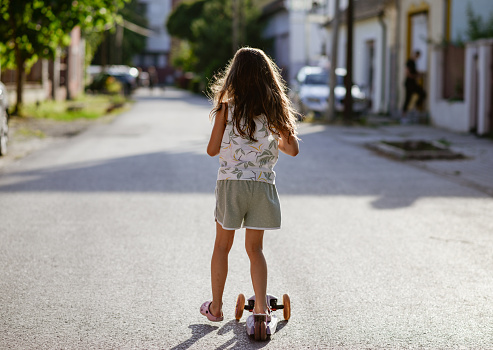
(27, 135)
(475, 171)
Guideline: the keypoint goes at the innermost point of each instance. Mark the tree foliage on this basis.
(206, 28)
(33, 29)
(184, 13)
(477, 27)
(132, 42)
(37, 28)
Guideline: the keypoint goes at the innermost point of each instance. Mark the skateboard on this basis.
(260, 330)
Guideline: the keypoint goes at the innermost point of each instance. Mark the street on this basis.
(106, 242)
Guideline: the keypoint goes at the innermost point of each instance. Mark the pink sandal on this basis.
(206, 311)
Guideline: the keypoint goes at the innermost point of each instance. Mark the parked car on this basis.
(4, 120)
(311, 91)
(124, 77)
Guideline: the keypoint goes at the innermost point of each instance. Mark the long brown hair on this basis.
(252, 83)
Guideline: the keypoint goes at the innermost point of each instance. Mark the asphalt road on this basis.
(106, 240)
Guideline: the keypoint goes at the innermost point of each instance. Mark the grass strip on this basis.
(85, 107)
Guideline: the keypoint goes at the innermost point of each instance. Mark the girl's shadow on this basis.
(241, 340)
(198, 331)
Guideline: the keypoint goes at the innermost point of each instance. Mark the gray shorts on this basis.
(248, 204)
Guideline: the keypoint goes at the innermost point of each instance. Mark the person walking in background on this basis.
(412, 85)
(153, 78)
(253, 120)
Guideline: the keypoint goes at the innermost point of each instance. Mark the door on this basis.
(418, 41)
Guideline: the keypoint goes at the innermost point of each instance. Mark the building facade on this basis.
(455, 72)
(374, 46)
(302, 34)
(158, 45)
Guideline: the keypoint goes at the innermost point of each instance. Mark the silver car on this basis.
(4, 120)
(312, 91)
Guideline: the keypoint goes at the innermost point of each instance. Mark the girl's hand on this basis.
(214, 145)
(289, 144)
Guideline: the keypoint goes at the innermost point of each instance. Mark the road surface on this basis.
(107, 237)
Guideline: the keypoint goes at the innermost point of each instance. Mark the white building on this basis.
(457, 78)
(299, 39)
(386, 32)
(302, 36)
(158, 46)
(373, 44)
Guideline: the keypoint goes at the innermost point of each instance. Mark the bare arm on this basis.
(289, 144)
(217, 132)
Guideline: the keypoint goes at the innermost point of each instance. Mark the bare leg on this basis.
(258, 268)
(219, 266)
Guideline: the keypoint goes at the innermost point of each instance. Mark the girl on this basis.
(253, 119)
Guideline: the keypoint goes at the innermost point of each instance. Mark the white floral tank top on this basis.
(244, 159)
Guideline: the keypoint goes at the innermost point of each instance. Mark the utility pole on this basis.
(119, 44)
(333, 61)
(235, 25)
(348, 101)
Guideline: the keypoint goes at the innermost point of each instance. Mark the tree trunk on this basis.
(20, 62)
(68, 95)
(348, 101)
(333, 61)
(235, 25)
(55, 83)
(20, 74)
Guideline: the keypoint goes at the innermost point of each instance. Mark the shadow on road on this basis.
(198, 331)
(240, 339)
(323, 168)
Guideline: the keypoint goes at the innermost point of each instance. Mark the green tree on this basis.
(206, 27)
(185, 13)
(477, 27)
(122, 50)
(33, 29)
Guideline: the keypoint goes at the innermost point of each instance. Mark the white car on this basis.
(4, 120)
(312, 91)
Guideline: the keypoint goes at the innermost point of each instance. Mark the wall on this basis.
(278, 29)
(364, 31)
(473, 112)
(317, 36)
(306, 36)
(32, 93)
(297, 47)
(450, 115)
(479, 60)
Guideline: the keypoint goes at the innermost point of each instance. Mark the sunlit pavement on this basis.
(107, 238)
